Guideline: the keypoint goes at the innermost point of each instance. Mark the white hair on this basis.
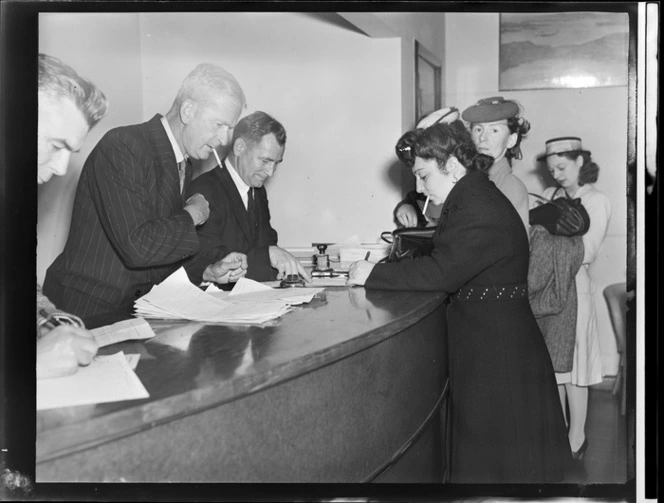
(208, 80)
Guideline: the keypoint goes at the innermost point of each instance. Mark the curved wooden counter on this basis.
(350, 387)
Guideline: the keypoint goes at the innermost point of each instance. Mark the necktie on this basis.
(182, 165)
(251, 209)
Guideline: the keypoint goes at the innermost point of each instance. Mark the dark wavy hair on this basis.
(61, 81)
(439, 142)
(520, 126)
(254, 126)
(589, 171)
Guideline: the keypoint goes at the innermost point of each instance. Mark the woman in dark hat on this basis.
(507, 426)
(497, 129)
(575, 173)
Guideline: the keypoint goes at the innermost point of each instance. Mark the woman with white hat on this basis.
(574, 171)
(497, 130)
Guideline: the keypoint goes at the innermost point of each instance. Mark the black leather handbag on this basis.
(409, 242)
(563, 216)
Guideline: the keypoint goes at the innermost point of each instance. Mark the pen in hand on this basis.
(50, 320)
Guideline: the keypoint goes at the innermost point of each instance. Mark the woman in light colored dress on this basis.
(575, 173)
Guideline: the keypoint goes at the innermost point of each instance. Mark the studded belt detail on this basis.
(491, 292)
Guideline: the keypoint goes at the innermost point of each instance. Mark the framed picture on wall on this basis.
(551, 50)
(428, 70)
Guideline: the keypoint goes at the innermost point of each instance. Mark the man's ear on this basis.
(187, 111)
(238, 147)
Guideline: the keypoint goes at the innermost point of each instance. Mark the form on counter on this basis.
(107, 379)
(132, 329)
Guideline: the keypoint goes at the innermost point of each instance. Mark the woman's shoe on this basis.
(578, 455)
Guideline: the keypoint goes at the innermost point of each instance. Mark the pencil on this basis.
(216, 156)
(366, 257)
(49, 319)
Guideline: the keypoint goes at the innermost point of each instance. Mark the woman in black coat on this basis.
(507, 425)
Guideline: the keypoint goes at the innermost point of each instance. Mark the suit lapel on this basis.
(237, 206)
(168, 184)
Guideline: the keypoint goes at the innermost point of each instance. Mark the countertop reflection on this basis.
(190, 366)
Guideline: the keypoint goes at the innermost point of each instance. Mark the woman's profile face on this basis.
(493, 138)
(431, 181)
(565, 171)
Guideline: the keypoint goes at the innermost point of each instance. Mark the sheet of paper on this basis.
(132, 360)
(247, 290)
(245, 285)
(106, 379)
(132, 329)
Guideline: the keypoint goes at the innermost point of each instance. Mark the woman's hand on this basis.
(359, 271)
(407, 215)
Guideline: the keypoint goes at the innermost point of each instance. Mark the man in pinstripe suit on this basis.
(131, 224)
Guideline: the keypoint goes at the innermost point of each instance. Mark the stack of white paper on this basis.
(248, 290)
(106, 379)
(177, 298)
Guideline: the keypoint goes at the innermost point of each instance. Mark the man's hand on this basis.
(227, 270)
(407, 215)
(286, 264)
(62, 350)
(198, 207)
(359, 271)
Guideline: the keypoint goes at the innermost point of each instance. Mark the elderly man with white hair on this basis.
(132, 225)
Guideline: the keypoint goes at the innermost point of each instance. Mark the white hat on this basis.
(444, 115)
(562, 145)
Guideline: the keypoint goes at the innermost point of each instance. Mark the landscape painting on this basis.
(563, 50)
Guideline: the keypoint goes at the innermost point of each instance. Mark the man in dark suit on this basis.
(132, 225)
(239, 213)
(68, 107)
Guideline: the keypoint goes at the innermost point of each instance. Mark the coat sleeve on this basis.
(124, 196)
(466, 243)
(411, 199)
(598, 206)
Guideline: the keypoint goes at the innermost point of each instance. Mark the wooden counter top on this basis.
(191, 367)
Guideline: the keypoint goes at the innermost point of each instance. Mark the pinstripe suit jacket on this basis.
(228, 228)
(129, 230)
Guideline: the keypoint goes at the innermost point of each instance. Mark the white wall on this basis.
(597, 115)
(102, 48)
(337, 92)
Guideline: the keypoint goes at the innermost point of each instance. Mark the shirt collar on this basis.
(242, 187)
(179, 157)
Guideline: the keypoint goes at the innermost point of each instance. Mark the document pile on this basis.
(177, 298)
(248, 290)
